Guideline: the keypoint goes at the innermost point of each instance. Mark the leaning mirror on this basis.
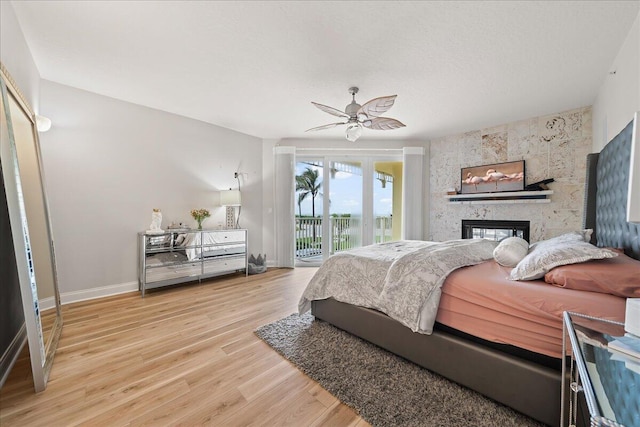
(22, 175)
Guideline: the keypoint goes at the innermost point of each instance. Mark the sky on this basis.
(346, 195)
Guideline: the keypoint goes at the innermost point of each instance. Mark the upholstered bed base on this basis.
(528, 387)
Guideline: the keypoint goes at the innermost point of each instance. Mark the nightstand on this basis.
(608, 380)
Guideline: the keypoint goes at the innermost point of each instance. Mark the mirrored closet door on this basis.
(21, 168)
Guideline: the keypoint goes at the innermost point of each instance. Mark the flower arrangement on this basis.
(199, 215)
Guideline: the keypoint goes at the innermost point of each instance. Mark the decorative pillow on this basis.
(510, 251)
(616, 276)
(586, 234)
(552, 253)
(582, 235)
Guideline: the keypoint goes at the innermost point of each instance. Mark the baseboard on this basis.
(47, 303)
(11, 354)
(101, 292)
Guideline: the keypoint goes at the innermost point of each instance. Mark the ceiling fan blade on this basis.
(329, 126)
(382, 123)
(331, 110)
(377, 106)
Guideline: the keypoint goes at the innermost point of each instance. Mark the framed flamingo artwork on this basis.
(493, 178)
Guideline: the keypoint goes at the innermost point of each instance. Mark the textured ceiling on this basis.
(255, 66)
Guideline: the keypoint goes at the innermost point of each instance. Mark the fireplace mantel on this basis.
(500, 198)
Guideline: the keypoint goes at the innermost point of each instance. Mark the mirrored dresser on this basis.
(180, 255)
(602, 380)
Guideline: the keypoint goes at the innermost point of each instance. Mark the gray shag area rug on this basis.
(386, 390)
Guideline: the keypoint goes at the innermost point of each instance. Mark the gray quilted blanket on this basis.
(402, 279)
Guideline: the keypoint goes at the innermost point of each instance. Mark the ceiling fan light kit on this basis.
(359, 116)
(353, 132)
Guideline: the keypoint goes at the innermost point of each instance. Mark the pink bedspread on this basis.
(481, 301)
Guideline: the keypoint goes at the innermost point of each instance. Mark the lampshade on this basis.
(354, 130)
(43, 123)
(230, 198)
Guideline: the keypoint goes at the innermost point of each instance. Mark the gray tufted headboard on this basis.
(606, 189)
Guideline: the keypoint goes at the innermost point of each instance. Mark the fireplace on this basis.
(494, 229)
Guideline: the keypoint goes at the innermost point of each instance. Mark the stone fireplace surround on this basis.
(553, 146)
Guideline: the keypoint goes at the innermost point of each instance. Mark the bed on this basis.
(479, 349)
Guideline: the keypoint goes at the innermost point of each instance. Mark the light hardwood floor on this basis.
(181, 356)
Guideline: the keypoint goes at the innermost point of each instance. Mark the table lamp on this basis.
(231, 198)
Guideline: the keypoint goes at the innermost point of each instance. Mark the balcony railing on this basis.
(344, 231)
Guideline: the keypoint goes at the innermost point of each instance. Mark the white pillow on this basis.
(510, 251)
(552, 253)
(586, 234)
(582, 235)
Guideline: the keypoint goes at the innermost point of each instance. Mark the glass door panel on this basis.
(309, 211)
(345, 205)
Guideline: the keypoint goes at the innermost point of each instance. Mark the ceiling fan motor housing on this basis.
(352, 110)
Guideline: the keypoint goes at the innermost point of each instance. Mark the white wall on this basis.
(108, 163)
(619, 96)
(16, 56)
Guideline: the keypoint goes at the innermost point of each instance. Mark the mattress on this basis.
(480, 300)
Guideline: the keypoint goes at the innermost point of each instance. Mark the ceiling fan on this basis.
(359, 116)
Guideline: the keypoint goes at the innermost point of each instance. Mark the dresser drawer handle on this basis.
(575, 387)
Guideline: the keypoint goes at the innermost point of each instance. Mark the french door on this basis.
(344, 203)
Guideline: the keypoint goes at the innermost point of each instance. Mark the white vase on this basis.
(156, 221)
